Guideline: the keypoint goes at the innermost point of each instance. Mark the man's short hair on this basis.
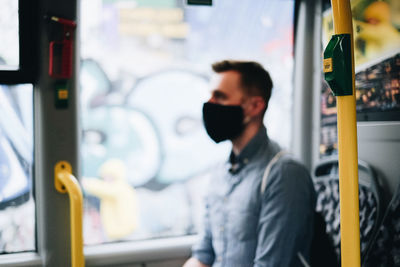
(254, 78)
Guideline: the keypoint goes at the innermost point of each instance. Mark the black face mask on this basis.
(223, 122)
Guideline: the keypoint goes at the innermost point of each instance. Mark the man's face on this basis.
(227, 89)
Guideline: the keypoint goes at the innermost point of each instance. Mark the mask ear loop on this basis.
(246, 119)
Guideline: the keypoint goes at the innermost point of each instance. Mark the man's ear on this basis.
(256, 106)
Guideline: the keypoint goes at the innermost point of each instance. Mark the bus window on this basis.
(9, 46)
(145, 72)
(17, 208)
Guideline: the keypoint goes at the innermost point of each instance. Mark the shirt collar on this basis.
(237, 162)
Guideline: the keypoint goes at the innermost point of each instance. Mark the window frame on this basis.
(28, 54)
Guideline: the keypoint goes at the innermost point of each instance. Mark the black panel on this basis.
(200, 2)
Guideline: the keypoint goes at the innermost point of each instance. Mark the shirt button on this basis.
(221, 229)
(219, 258)
(246, 161)
(225, 199)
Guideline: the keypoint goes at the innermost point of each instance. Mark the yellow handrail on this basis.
(65, 182)
(347, 140)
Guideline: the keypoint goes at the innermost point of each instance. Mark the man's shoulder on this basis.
(288, 166)
(290, 175)
(289, 161)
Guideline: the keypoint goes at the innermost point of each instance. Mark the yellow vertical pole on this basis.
(348, 158)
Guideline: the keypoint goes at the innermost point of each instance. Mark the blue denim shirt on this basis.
(243, 227)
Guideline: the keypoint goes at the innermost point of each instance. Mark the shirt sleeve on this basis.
(285, 224)
(203, 249)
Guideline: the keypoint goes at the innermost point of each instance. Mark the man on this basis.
(246, 224)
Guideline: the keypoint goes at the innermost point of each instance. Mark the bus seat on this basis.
(326, 183)
(385, 249)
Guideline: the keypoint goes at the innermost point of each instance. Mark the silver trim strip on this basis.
(21, 259)
(139, 251)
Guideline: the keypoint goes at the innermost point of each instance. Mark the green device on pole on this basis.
(337, 65)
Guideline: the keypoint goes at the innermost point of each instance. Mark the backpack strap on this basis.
(268, 169)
